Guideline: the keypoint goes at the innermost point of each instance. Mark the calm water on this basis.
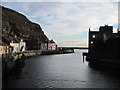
(63, 71)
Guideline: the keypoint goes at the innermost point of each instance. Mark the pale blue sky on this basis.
(68, 21)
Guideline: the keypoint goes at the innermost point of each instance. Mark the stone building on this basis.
(104, 43)
(52, 45)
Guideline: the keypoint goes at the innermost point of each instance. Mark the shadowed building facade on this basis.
(104, 45)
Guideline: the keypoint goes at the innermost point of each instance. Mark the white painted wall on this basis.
(22, 43)
(53, 46)
(15, 46)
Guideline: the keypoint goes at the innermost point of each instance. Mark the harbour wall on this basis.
(12, 60)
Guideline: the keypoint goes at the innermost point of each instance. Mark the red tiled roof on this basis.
(10, 39)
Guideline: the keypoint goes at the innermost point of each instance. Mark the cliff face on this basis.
(14, 23)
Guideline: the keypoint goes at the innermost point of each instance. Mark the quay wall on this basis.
(9, 60)
(64, 51)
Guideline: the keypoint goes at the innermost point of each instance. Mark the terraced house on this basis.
(11, 45)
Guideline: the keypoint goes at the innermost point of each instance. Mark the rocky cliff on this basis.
(16, 24)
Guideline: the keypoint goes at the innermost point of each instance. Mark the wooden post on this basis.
(83, 57)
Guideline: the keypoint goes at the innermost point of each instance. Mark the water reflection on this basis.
(63, 71)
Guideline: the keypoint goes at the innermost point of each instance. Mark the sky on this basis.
(67, 23)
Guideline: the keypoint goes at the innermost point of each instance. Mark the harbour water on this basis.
(63, 71)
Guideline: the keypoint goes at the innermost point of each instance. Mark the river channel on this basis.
(63, 71)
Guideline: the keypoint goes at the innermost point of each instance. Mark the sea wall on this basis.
(64, 51)
(16, 61)
(10, 60)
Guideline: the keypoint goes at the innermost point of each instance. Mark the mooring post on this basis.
(83, 57)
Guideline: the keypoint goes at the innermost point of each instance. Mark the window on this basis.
(94, 36)
(17, 49)
(91, 42)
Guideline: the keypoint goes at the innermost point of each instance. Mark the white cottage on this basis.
(43, 46)
(18, 46)
(52, 45)
(15, 46)
(22, 45)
